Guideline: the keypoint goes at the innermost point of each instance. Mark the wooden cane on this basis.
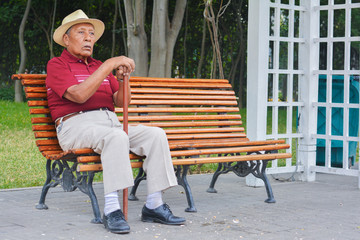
(125, 128)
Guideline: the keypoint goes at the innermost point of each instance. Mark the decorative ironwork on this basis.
(60, 172)
(141, 176)
(242, 169)
(181, 173)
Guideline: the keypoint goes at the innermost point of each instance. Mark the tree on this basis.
(136, 35)
(18, 88)
(149, 35)
(163, 36)
(46, 21)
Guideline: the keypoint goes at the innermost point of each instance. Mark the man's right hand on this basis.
(122, 65)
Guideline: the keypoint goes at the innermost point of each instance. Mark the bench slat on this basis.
(181, 85)
(51, 127)
(230, 142)
(46, 142)
(95, 159)
(182, 97)
(194, 161)
(39, 110)
(35, 90)
(183, 102)
(180, 91)
(32, 103)
(204, 130)
(48, 134)
(250, 149)
(33, 82)
(196, 152)
(192, 124)
(36, 128)
(182, 80)
(50, 148)
(36, 95)
(181, 117)
(206, 136)
(28, 76)
(36, 120)
(180, 110)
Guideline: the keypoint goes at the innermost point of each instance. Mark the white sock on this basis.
(111, 203)
(154, 200)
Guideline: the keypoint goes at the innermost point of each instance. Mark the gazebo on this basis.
(304, 57)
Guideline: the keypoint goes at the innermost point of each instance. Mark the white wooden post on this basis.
(309, 61)
(257, 78)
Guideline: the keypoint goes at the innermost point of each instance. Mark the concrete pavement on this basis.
(325, 209)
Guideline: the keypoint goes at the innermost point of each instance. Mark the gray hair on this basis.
(68, 31)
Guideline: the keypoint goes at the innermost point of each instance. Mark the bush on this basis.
(7, 92)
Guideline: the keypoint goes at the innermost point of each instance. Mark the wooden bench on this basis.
(201, 120)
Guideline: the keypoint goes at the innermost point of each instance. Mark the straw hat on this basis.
(74, 18)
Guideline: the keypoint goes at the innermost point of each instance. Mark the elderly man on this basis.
(82, 92)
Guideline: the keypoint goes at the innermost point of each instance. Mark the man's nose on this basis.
(88, 36)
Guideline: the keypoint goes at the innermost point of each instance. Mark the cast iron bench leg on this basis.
(182, 180)
(41, 205)
(242, 169)
(268, 187)
(93, 199)
(217, 173)
(141, 176)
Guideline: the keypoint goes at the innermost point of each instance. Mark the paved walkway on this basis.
(325, 209)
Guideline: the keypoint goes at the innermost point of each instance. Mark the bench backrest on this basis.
(191, 111)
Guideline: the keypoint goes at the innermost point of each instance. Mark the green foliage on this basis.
(40, 18)
(7, 93)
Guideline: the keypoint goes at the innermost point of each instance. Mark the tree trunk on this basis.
(114, 30)
(201, 60)
(242, 87)
(122, 29)
(185, 36)
(18, 88)
(52, 31)
(158, 39)
(137, 39)
(163, 36)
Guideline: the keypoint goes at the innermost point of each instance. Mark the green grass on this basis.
(21, 163)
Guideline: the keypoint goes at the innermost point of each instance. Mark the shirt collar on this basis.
(65, 54)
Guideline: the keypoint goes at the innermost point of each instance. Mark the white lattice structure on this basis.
(303, 65)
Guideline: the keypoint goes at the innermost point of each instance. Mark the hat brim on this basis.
(99, 27)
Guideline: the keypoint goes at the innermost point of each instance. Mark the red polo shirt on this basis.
(66, 71)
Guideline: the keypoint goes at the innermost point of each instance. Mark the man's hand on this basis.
(123, 66)
(126, 67)
(121, 71)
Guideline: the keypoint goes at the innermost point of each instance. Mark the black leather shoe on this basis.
(116, 222)
(162, 215)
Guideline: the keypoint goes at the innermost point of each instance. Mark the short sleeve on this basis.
(59, 77)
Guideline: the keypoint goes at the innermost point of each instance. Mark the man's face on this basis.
(80, 40)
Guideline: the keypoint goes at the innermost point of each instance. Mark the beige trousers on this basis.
(102, 131)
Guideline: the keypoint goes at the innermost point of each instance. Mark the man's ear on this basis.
(66, 39)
